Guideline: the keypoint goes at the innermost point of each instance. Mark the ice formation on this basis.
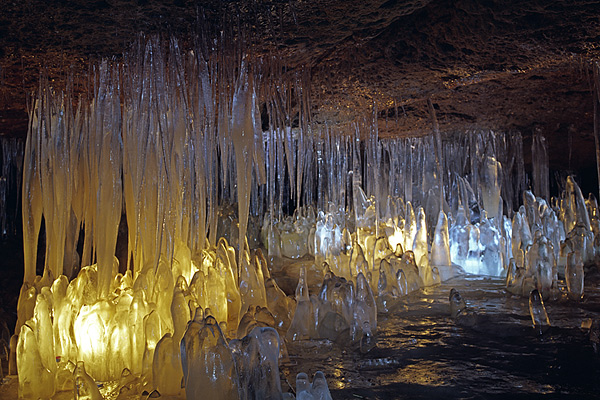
(11, 171)
(200, 154)
(537, 310)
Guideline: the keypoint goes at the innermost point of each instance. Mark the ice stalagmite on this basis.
(247, 360)
(537, 310)
(35, 380)
(211, 369)
(303, 387)
(574, 275)
(317, 391)
(92, 336)
(573, 210)
(85, 387)
(189, 340)
(490, 186)
(358, 262)
(365, 314)
(459, 238)
(542, 265)
(267, 382)
(386, 285)
(280, 305)
(226, 264)
(26, 304)
(410, 227)
(166, 367)
(252, 283)
(440, 249)
(42, 315)
(216, 293)
(319, 388)
(420, 245)
(514, 278)
(303, 323)
(59, 303)
(138, 309)
(492, 262)
(457, 304)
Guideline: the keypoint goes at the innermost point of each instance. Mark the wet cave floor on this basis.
(422, 353)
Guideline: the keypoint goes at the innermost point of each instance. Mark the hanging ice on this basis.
(491, 178)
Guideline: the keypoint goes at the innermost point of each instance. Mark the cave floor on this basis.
(422, 353)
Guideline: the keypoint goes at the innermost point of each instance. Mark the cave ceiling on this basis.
(502, 65)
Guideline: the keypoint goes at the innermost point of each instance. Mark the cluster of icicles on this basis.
(11, 164)
(170, 139)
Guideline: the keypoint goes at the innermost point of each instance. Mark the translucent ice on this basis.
(410, 271)
(257, 361)
(247, 359)
(303, 387)
(459, 238)
(35, 380)
(319, 388)
(457, 304)
(42, 315)
(573, 210)
(280, 305)
(440, 249)
(543, 265)
(190, 339)
(580, 239)
(574, 275)
(335, 309)
(410, 227)
(211, 369)
(303, 323)
(252, 284)
(492, 262)
(85, 387)
(420, 245)
(537, 310)
(490, 186)
(317, 391)
(365, 309)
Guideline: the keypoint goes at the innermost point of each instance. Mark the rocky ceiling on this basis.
(497, 64)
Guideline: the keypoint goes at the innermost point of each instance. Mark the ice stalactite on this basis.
(539, 157)
(31, 197)
(243, 129)
(195, 147)
(11, 171)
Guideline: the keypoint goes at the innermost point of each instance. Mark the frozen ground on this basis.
(421, 353)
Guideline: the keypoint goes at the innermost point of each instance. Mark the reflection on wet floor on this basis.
(422, 352)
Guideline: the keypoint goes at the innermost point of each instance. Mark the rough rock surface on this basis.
(499, 64)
